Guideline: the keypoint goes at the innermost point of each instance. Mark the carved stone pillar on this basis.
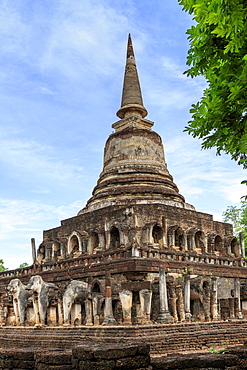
(164, 224)
(171, 239)
(102, 244)
(76, 314)
(34, 254)
(47, 254)
(185, 242)
(214, 300)
(237, 295)
(164, 315)
(193, 242)
(126, 301)
(149, 235)
(206, 306)
(242, 248)
(3, 314)
(108, 313)
(145, 300)
(232, 307)
(180, 303)
(95, 314)
(107, 235)
(63, 252)
(173, 303)
(89, 304)
(60, 312)
(187, 297)
(89, 312)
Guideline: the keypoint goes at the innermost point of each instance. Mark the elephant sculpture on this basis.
(40, 290)
(20, 299)
(76, 290)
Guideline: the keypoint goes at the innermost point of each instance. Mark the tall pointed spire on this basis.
(135, 170)
(131, 97)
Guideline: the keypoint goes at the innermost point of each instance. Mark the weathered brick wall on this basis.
(234, 359)
(144, 213)
(53, 360)
(35, 359)
(123, 356)
(163, 339)
(86, 357)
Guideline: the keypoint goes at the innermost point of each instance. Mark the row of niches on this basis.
(153, 235)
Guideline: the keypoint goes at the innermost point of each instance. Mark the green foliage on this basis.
(218, 51)
(24, 264)
(2, 268)
(238, 217)
(221, 350)
(187, 271)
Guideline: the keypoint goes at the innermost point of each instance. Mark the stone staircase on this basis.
(163, 339)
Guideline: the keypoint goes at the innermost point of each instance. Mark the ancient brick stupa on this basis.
(134, 170)
(137, 253)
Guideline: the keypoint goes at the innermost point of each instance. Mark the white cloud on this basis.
(28, 217)
(168, 98)
(37, 159)
(41, 191)
(217, 216)
(21, 220)
(202, 172)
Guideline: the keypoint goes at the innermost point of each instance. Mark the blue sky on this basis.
(61, 73)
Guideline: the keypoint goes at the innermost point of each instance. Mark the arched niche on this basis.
(114, 238)
(157, 235)
(74, 244)
(56, 250)
(200, 241)
(218, 244)
(176, 237)
(179, 238)
(93, 242)
(234, 245)
(96, 287)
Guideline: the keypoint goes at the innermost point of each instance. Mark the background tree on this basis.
(2, 268)
(238, 217)
(218, 51)
(24, 264)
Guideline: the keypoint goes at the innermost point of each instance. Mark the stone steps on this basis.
(162, 338)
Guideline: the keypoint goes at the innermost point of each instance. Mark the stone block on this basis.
(18, 354)
(97, 365)
(217, 360)
(83, 352)
(242, 364)
(54, 358)
(132, 362)
(24, 365)
(143, 348)
(175, 362)
(115, 351)
(52, 367)
(240, 351)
